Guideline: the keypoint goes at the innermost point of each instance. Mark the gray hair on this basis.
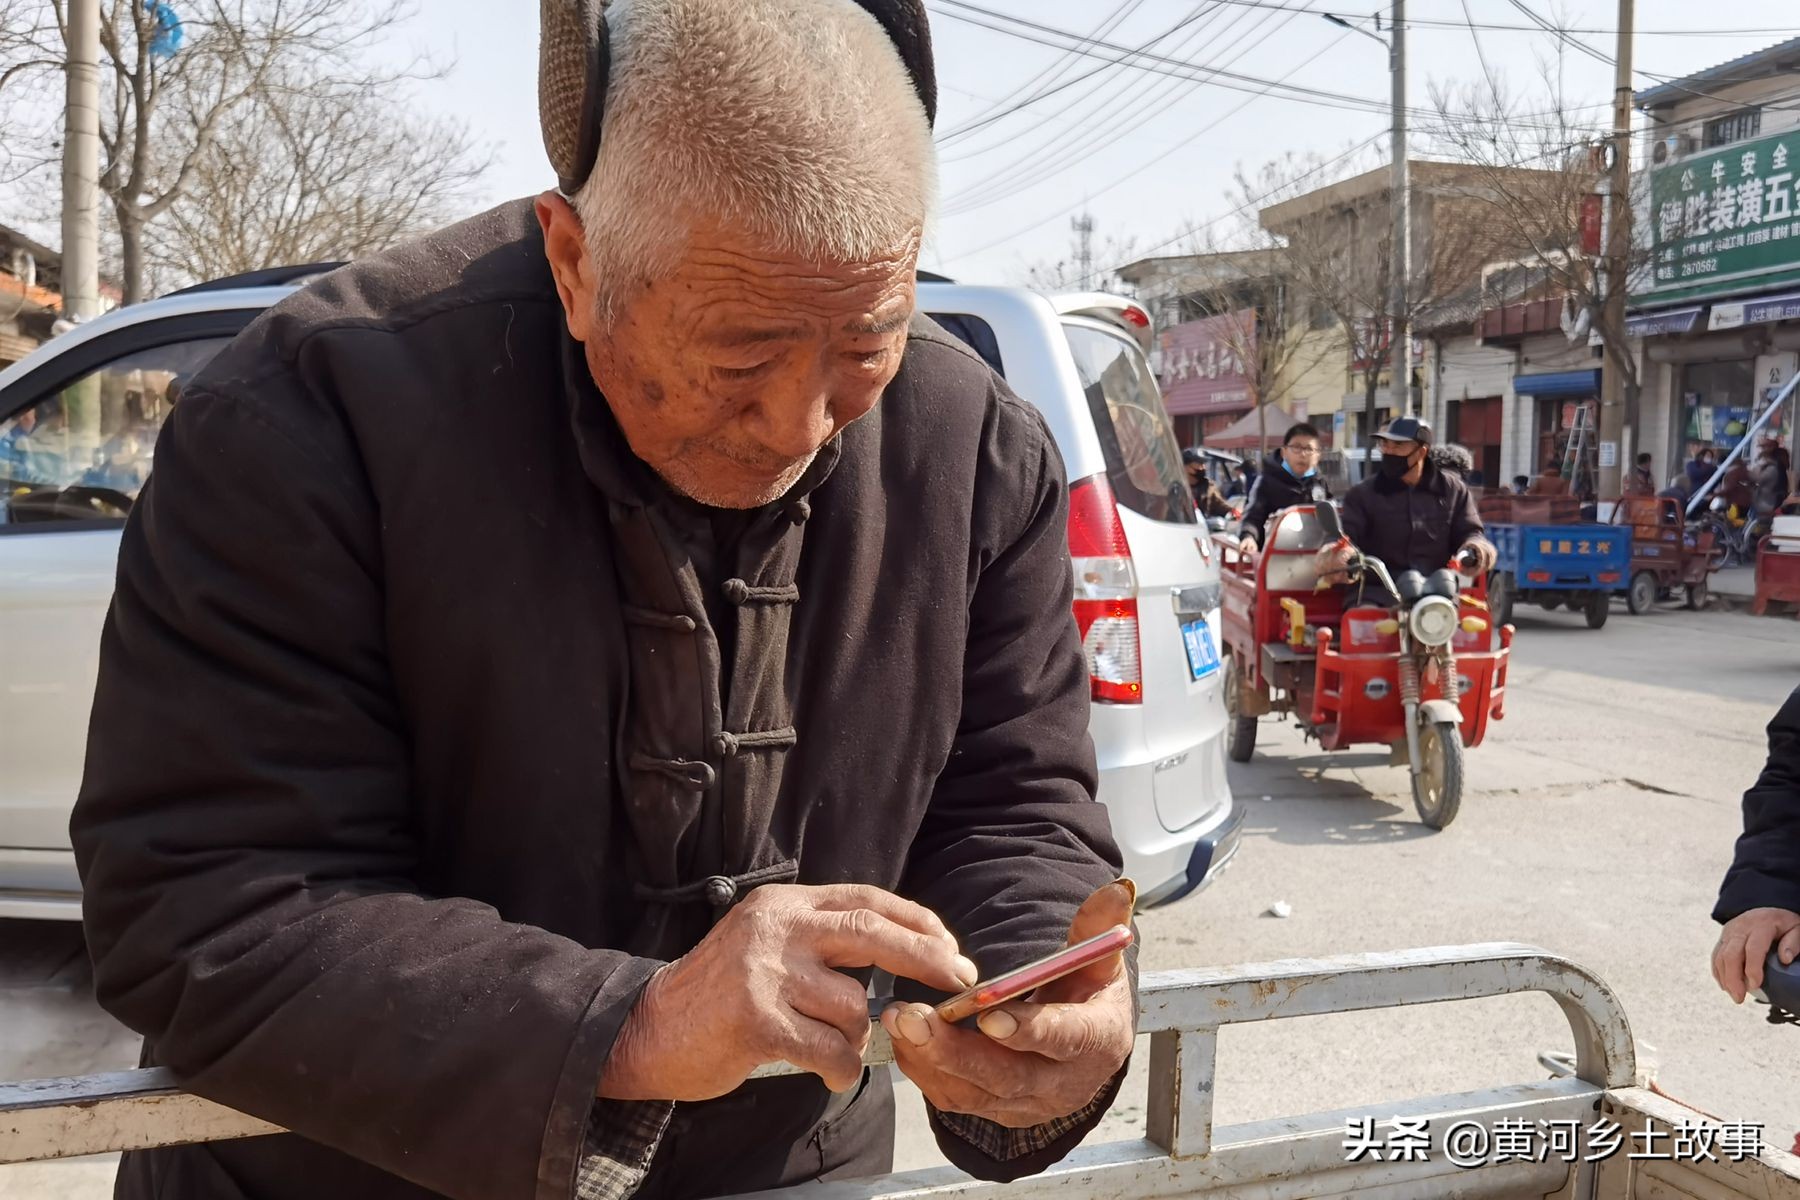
(794, 121)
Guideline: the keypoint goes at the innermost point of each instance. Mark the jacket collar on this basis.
(608, 461)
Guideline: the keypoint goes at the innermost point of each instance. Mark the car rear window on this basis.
(977, 334)
(1143, 461)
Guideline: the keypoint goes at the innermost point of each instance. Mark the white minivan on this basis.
(1146, 581)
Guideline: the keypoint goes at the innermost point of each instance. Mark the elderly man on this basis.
(556, 661)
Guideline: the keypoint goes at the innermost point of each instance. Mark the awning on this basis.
(1668, 321)
(1246, 433)
(1558, 383)
(1761, 311)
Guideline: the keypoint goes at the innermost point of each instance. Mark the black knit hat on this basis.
(573, 62)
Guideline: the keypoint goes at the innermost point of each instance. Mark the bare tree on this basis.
(1241, 282)
(1537, 213)
(324, 174)
(1336, 241)
(172, 84)
(1068, 274)
(24, 29)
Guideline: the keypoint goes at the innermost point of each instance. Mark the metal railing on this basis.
(1182, 1154)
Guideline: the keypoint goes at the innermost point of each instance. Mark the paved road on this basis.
(1600, 818)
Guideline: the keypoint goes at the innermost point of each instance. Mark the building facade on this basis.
(1718, 308)
(1232, 334)
(30, 295)
(1339, 235)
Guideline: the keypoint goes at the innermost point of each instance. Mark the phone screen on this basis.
(1031, 976)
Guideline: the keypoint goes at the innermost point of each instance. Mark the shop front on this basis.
(1563, 433)
(1204, 382)
(1720, 323)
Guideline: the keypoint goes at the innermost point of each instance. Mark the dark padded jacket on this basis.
(1276, 489)
(1765, 871)
(1412, 528)
(416, 748)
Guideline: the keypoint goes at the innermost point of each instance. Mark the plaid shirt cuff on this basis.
(622, 1136)
(1004, 1145)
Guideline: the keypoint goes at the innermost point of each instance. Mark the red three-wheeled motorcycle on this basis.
(1423, 679)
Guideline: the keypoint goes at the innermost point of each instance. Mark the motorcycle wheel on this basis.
(1696, 596)
(1599, 607)
(1642, 596)
(1437, 788)
(1241, 742)
(1500, 597)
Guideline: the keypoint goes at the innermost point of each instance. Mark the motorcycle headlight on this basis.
(1434, 621)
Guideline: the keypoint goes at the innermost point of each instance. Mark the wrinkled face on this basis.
(728, 376)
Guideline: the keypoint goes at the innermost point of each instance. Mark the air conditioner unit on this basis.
(1672, 147)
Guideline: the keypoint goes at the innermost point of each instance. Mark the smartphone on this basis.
(1031, 976)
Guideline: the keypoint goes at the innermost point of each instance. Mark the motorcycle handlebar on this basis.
(1781, 984)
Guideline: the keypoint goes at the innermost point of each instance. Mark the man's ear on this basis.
(565, 245)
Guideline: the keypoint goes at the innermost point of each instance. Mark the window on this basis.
(1737, 127)
(82, 453)
(1143, 462)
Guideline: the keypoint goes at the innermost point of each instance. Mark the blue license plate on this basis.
(1202, 655)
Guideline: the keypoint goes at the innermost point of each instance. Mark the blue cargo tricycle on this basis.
(1577, 567)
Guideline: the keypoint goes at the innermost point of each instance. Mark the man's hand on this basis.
(1247, 546)
(1029, 1061)
(761, 988)
(1485, 556)
(1737, 961)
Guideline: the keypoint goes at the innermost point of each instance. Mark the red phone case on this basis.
(1031, 976)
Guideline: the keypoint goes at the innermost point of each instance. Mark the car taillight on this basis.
(1136, 316)
(1106, 600)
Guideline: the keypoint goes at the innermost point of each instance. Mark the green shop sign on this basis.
(1726, 221)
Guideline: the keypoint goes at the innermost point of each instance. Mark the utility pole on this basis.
(1400, 236)
(1400, 269)
(81, 164)
(1617, 420)
(1084, 233)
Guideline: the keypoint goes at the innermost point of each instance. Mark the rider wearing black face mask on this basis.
(1412, 514)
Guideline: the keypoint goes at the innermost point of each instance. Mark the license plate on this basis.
(1202, 655)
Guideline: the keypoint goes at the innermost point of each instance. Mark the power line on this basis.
(972, 126)
(1135, 172)
(1254, 201)
(998, 186)
(1427, 23)
(1156, 63)
(1487, 72)
(1069, 57)
(1032, 31)
(1567, 38)
(1091, 99)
